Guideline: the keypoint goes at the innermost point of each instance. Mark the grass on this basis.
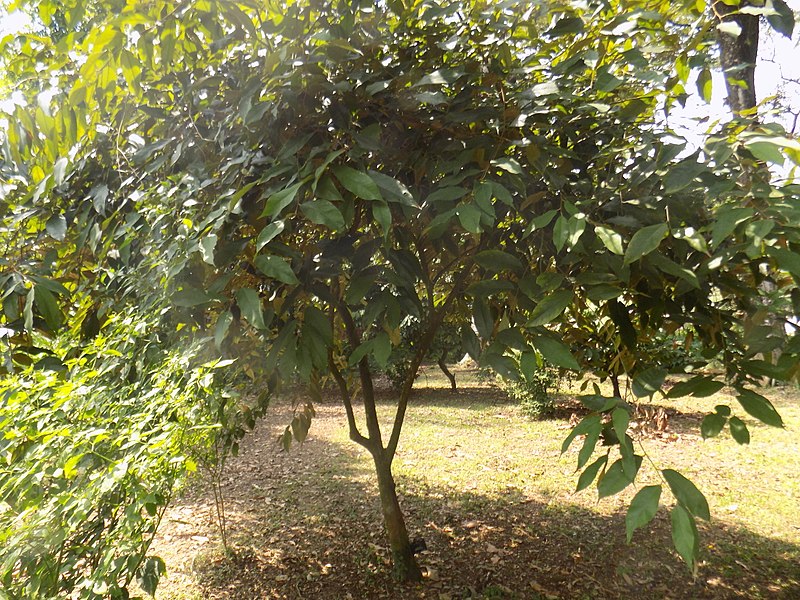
(492, 495)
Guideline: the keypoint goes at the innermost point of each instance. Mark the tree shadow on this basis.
(307, 525)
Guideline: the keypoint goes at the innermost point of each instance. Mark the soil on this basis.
(306, 524)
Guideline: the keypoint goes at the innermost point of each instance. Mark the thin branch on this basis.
(355, 434)
(437, 318)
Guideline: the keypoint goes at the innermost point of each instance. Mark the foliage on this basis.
(299, 179)
(92, 454)
(533, 395)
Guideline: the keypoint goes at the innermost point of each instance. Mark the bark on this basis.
(738, 56)
(405, 566)
(615, 385)
(446, 371)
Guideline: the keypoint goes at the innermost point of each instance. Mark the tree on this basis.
(299, 178)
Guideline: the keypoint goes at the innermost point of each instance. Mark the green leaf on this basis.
(615, 480)
(276, 268)
(786, 259)
(712, 425)
(323, 212)
(381, 349)
(190, 296)
(565, 26)
(48, 307)
(648, 382)
(699, 386)
(589, 473)
(250, 306)
(360, 352)
(497, 261)
(358, 183)
(783, 21)
(149, 573)
(739, 430)
(610, 238)
(726, 222)
(555, 352)
(684, 535)
(687, 494)
(645, 241)
(589, 445)
(268, 234)
(508, 164)
(221, 329)
(758, 406)
(550, 308)
(280, 200)
(207, 245)
(56, 227)
(705, 84)
(470, 217)
(482, 316)
(682, 174)
(642, 509)
(766, 151)
(588, 425)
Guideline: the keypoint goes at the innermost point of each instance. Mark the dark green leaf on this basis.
(149, 573)
(684, 534)
(268, 233)
(758, 406)
(739, 430)
(615, 480)
(712, 424)
(648, 382)
(48, 307)
(645, 241)
(190, 296)
(587, 425)
(783, 21)
(497, 261)
(470, 217)
(323, 212)
(382, 348)
(589, 473)
(550, 308)
(482, 316)
(358, 183)
(727, 220)
(276, 268)
(642, 509)
(555, 352)
(699, 386)
(250, 306)
(280, 200)
(221, 330)
(687, 494)
(56, 227)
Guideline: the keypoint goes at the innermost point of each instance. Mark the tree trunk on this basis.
(446, 371)
(615, 385)
(737, 56)
(405, 566)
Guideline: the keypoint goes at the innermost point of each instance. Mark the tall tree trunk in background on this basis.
(738, 54)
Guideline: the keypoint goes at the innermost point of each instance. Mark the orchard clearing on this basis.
(490, 493)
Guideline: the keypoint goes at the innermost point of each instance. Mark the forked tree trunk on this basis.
(405, 566)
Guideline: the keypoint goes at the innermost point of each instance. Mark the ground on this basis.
(491, 495)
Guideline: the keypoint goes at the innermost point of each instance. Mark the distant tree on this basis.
(302, 177)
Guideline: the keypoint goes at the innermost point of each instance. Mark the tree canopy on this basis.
(287, 184)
